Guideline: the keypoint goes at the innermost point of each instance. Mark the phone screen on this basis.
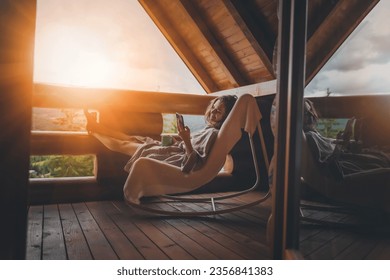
(180, 120)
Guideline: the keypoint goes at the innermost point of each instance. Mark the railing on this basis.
(133, 112)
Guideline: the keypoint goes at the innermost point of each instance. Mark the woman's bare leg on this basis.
(94, 127)
(116, 141)
(117, 145)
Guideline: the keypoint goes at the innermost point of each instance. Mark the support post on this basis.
(17, 31)
(288, 141)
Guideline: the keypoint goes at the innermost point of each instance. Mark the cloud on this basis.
(362, 63)
(356, 81)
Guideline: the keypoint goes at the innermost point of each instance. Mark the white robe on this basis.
(175, 154)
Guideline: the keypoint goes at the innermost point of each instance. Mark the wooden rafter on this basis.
(255, 28)
(318, 11)
(220, 54)
(166, 27)
(333, 31)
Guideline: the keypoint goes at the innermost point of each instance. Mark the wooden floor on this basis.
(113, 230)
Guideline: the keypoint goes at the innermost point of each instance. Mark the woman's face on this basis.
(217, 112)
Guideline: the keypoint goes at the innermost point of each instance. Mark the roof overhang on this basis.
(230, 43)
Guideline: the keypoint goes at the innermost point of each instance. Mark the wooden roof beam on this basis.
(180, 46)
(334, 30)
(318, 13)
(256, 29)
(220, 54)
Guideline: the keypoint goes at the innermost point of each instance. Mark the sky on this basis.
(114, 44)
(362, 63)
(107, 44)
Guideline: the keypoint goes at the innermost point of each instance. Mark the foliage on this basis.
(170, 125)
(330, 127)
(55, 166)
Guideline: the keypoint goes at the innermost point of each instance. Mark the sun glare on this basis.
(106, 44)
(75, 57)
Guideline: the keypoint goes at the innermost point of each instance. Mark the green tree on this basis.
(61, 166)
(331, 127)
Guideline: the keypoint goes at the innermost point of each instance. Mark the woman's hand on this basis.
(185, 135)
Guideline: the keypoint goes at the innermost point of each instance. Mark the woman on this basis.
(189, 152)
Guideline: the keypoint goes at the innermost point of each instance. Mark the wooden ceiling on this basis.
(230, 43)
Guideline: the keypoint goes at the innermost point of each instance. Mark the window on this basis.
(361, 65)
(106, 44)
(98, 44)
(331, 127)
(61, 166)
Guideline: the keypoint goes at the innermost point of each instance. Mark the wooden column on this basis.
(291, 82)
(17, 31)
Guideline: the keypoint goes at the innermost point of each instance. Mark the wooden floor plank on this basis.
(34, 233)
(121, 245)
(308, 229)
(316, 241)
(240, 221)
(176, 229)
(111, 230)
(53, 244)
(249, 225)
(98, 243)
(217, 232)
(189, 228)
(124, 220)
(164, 242)
(76, 244)
(192, 247)
(332, 248)
(381, 251)
(244, 245)
(255, 231)
(358, 250)
(261, 211)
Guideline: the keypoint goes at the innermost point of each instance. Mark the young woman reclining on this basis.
(189, 151)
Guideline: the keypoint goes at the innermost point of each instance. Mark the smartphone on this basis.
(180, 121)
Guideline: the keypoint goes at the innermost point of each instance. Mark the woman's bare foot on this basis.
(92, 123)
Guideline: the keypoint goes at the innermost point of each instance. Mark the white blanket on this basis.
(150, 177)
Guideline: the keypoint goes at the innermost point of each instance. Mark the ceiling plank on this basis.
(256, 29)
(156, 13)
(220, 54)
(333, 31)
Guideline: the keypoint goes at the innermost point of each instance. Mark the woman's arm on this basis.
(197, 148)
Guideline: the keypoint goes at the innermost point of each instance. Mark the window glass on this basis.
(194, 122)
(362, 64)
(331, 127)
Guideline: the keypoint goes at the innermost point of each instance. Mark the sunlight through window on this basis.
(106, 44)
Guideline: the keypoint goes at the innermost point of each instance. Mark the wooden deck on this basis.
(112, 230)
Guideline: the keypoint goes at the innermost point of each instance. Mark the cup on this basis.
(166, 140)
